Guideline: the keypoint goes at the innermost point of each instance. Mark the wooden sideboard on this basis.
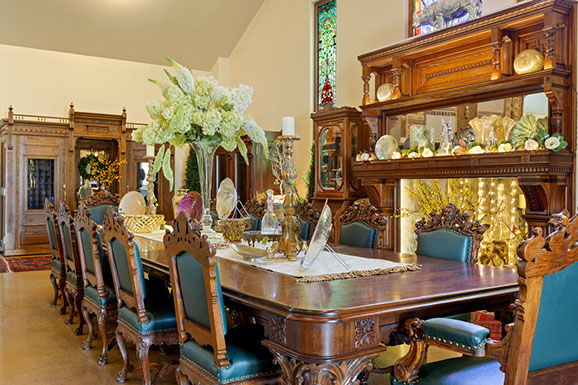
(473, 62)
(39, 157)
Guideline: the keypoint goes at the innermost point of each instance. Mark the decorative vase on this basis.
(177, 198)
(205, 151)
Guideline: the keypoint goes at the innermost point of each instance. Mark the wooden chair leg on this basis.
(70, 301)
(55, 286)
(103, 358)
(61, 286)
(142, 348)
(78, 301)
(182, 378)
(88, 319)
(121, 376)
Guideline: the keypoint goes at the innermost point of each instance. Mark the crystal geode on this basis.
(226, 198)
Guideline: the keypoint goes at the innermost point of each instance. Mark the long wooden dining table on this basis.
(330, 331)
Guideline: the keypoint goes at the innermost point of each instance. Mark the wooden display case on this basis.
(340, 134)
(473, 62)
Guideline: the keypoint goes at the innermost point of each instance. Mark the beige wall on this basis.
(39, 82)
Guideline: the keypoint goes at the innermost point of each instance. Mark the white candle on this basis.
(288, 125)
(150, 150)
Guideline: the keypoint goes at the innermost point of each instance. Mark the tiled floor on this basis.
(37, 348)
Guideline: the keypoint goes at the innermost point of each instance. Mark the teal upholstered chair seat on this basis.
(161, 318)
(248, 357)
(358, 234)
(91, 293)
(444, 244)
(56, 264)
(98, 212)
(462, 334)
(255, 222)
(459, 371)
(304, 229)
(72, 278)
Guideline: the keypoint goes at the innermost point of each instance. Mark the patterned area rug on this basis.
(18, 264)
(487, 320)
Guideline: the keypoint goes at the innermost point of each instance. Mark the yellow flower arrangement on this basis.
(105, 170)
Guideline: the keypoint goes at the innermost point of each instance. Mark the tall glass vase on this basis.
(205, 151)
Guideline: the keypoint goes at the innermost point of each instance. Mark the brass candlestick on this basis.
(289, 243)
(151, 199)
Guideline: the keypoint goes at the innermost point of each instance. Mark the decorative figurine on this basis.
(447, 138)
(270, 223)
(226, 198)
(440, 13)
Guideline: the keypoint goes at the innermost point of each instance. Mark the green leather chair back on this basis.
(255, 222)
(67, 240)
(121, 261)
(358, 234)
(98, 212)
(193, 291)
(444, 244)
(52, 235)
(304, 229)
(556, 333)
(87, 251)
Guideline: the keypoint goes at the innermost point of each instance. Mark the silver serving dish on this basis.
(249, 253)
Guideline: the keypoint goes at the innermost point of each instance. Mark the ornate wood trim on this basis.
(186, 238)
(103, 197)
(363, 211)
(451, 218)
(365, 332)
(255, 207)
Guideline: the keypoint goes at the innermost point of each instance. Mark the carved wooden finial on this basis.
(10, 108)
(362, 210)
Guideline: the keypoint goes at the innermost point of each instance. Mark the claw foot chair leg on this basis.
(78, 302)
(55, 286)
(142, 348)
(102, 359)
(87, 318)
(70, 301)
(121, 376)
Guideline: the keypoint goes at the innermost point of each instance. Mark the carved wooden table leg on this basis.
(326, 373)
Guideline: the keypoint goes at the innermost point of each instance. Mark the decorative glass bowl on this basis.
(233, 228)
(143, 223)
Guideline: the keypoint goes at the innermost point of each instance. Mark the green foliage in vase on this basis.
(192, 179)
(310, 175)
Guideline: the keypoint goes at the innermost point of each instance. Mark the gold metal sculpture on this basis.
(289, 244)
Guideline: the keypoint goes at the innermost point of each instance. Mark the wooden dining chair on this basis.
(210, 353)
(99, 296)
(540, 346)
(308, 216)
(362, 225)
(57, 265)
(449, 234)
(74, 288)
(146, 315)
(99, 202)
(256, 210)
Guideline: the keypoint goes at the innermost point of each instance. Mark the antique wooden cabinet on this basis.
(340, 134)
(471, 63)
(39, 158)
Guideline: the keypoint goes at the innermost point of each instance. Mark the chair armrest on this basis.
(456, 335)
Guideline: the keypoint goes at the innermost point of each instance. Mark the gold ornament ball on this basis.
(385, 92)
(528, 61)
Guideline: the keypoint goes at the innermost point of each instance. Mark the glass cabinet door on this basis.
(331, 158)
(40, 183)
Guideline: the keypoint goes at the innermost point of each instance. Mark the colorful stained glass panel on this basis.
(418, 6)
(326, 52)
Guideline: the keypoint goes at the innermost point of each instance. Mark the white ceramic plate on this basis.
(132, 203)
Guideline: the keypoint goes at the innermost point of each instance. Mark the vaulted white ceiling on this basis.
(193, 32)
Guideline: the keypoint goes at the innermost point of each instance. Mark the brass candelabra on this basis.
(151, 208)
(289, 244)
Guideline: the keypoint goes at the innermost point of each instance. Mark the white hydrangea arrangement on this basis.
(197, 109)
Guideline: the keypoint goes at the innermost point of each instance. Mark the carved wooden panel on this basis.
(470, 65)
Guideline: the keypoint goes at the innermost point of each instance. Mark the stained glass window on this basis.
(326, 51)
(416, 10)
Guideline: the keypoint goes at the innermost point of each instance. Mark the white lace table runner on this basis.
(326, 267)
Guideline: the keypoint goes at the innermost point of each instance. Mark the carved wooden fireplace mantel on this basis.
(473, 62)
